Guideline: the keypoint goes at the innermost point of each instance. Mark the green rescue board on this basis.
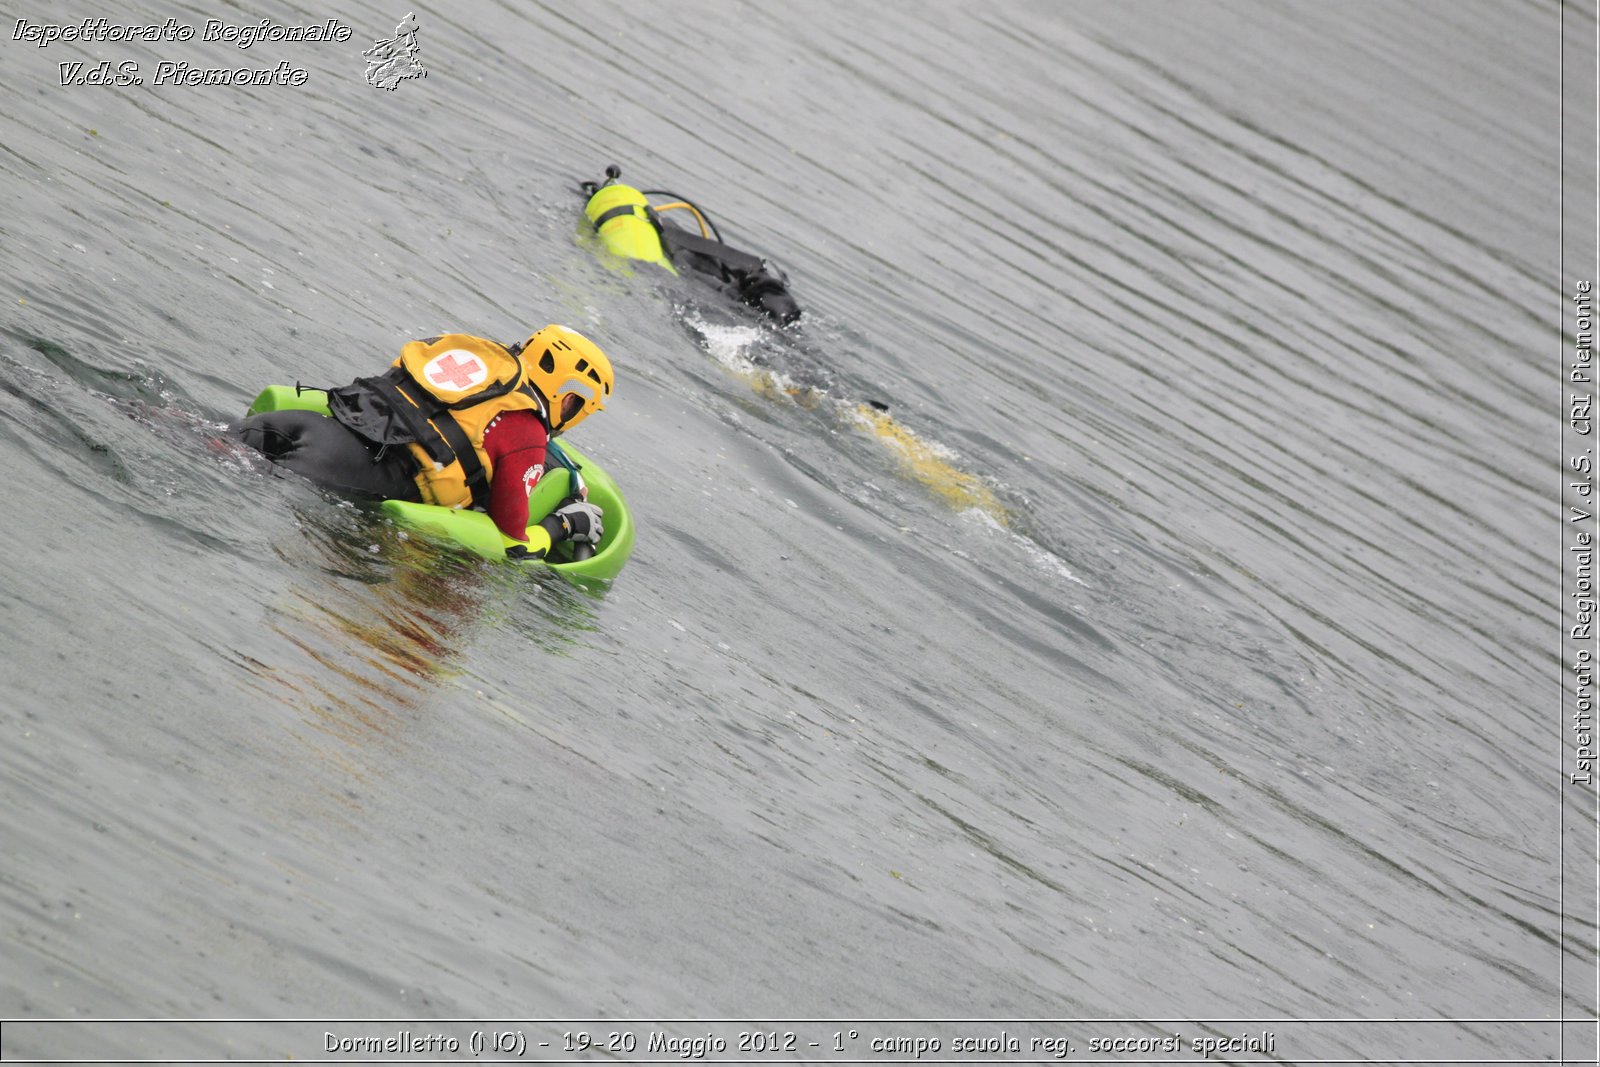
(475, 531)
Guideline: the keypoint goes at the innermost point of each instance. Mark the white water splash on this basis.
(728, 344)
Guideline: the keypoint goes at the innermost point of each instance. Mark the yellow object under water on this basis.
(924, 463)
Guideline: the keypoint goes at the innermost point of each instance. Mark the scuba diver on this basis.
(630, 226)
(458, 421)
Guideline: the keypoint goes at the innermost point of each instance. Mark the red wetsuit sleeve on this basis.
(515, 442)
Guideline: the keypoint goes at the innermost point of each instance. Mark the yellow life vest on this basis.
(437, 400)
(477, 381)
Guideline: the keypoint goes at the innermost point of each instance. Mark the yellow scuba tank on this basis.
(620, 215)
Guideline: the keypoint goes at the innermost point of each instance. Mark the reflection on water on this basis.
(384, 618)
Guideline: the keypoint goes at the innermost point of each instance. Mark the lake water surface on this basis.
(1181, 652)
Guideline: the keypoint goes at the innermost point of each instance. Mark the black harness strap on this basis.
(499, 389)
(540, 410)
(477, 477)
(617, 213)
(413, 416)
(441, 427)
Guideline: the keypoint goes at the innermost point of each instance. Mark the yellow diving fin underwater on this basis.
(630, 226)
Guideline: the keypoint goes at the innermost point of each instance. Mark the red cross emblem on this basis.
(457, 374)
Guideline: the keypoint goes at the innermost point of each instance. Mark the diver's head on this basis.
(571, 371)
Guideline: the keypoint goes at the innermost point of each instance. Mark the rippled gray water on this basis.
(1184, 648)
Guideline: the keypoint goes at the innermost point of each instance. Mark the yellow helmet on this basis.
(571, 371)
